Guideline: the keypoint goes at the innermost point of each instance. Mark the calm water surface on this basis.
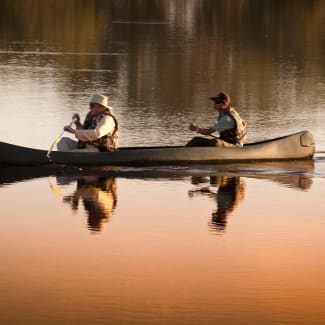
(183, 246)
(216, 244)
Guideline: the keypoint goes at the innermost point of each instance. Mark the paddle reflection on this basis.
(98, 196)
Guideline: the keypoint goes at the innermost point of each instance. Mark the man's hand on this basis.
(69, 129)
(76, 118)
(193, 127)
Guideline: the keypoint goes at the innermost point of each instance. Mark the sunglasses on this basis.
(92, 105)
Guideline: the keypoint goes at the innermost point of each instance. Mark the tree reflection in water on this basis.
(99, 198)
(230, 191)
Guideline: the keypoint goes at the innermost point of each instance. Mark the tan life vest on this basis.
(107, 142)
(237, 135)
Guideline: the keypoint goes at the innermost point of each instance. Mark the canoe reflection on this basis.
(230, 191)
(98, 196)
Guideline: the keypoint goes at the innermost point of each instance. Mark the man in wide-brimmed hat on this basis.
(97, 133)
(230, 126)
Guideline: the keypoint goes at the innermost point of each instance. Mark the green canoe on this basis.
(295, 146)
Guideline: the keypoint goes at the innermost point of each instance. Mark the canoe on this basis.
(295, 146)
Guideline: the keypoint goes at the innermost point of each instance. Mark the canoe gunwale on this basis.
(297, 146)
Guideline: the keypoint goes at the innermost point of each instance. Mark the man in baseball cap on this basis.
(229, 125)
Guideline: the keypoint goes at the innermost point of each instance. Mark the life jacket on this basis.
(238, 134)
(106, 142)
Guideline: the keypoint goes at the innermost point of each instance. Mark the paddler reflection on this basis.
(231, 188)
(98, 196)
(230, 192)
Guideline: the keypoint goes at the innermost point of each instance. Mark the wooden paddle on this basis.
(58, 139)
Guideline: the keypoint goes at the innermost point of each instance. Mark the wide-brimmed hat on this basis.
(100, 99)
(221, 98)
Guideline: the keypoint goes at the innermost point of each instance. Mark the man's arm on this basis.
(225, 123)
(105, 127)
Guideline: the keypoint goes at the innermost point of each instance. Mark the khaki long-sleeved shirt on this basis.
(105, 127)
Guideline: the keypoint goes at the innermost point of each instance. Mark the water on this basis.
(164, 245)
(236, 244)
(159, 64)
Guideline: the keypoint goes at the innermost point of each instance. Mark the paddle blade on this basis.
(58, 139)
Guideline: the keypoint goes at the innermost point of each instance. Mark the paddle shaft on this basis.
(57, 140)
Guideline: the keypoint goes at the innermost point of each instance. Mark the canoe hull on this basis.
(292, 147)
